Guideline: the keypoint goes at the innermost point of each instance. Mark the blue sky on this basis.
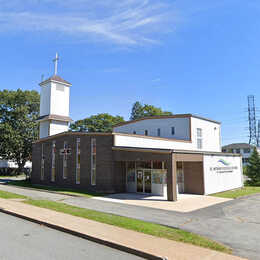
(186, 56)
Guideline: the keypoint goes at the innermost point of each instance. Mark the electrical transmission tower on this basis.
(253, 132)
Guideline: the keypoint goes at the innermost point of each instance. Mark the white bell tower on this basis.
(54, 105)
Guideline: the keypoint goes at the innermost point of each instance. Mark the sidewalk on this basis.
(126, 240)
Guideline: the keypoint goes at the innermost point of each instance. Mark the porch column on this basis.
(171, 178)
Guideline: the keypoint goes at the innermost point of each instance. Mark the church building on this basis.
(159, 155)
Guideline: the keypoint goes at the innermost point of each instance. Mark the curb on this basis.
(87, 237)
(46, 191)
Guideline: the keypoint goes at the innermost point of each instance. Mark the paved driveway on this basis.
(235, 223)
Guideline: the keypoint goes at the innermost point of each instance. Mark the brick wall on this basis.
(105, 179)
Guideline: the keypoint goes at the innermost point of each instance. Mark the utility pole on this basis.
(253, 133)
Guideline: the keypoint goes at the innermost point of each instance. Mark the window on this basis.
(130, 171)
(173, 130)
(53, 161)
(237, 150)
(246, 150)
(146, 132)
(65, 160)
(93, 160)
(78, 161)
(199, 138)
(134, 132)
(158, 132)
(245, 160)
(224, 150)
(42, 163)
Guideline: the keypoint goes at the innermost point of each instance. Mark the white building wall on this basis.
(210, 135)
(59, 99)
(45, 100)
(146, 142)
(223, 179)
(11, 164)
(181, 125)
(57, 127)
(44, 129)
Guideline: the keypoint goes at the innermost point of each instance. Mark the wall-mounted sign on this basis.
(224, 168)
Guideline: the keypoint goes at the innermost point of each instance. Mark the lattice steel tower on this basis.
(253, 133)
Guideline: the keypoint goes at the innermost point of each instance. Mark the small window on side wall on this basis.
(158, 132)
(146, 132)
(173, 130)
(134, 132)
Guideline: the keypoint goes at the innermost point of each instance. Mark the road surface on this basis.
(23, 240)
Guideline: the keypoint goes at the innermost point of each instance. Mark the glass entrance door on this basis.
(140, 181)
(147, 182)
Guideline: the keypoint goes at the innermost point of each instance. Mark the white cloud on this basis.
(124, 22)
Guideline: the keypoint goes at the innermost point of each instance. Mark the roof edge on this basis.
(165, 117)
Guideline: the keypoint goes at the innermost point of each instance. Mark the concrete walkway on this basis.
(186, 202)
(158, 247)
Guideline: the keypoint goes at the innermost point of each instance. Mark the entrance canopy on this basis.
(185, 171)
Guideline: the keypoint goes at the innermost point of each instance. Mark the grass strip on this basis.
(10, 195)
(233, 194)
(132, 224)
(65, 191)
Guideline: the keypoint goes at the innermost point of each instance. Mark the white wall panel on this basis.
(57, 127)
(181, 125)
(60, 99)
(44, 129)
(220, 177)
(210, 134)
(144, 142)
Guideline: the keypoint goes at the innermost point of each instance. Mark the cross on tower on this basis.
(56, 64)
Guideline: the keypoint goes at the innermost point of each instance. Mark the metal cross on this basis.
(56, 64)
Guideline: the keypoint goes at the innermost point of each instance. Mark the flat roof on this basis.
(165, 117)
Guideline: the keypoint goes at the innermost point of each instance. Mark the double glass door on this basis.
(144, 181)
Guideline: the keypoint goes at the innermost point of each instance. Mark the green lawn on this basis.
(9, 195)
(247, 190)
(132, 224)
(27, 184)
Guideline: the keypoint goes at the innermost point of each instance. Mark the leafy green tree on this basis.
(18, 129)
(137, 111)
(253, 168)
(140, 111)
(97, 123)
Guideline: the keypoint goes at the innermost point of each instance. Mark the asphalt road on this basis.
(234, 223)
(24, 240)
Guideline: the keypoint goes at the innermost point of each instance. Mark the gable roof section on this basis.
(237, 146)
(55, 78)
(165, 117)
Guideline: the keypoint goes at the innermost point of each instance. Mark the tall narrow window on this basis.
(93, 161)
(42, 163)
(199, 138)
(134, 132)
(146, 132)
(158, 132)
(53, 161)
(173, 130)
(65, 160)
(78, 162)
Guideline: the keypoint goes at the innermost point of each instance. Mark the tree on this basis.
(140, 111)
(253, 168)
(97, 123)
(18, 129)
